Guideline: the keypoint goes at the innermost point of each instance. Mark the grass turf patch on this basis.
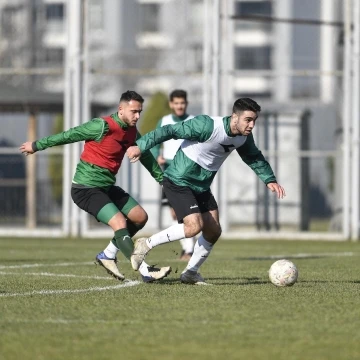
(241, 316)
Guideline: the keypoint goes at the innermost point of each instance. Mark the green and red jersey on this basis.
(106, 141)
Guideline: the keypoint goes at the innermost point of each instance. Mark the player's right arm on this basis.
(198, 128)
(156, 149)
(91, 130)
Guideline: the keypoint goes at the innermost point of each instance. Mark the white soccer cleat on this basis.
(192, 278)
(156, 273)
(109, 265)
(139, 253)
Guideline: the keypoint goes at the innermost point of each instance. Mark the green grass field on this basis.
(56, 304)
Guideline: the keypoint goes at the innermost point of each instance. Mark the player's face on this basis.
(129, 112)
(178, 106)
(244, 122)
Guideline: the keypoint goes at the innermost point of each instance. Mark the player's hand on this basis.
(134, 153)
(275, 187)
(26, 148)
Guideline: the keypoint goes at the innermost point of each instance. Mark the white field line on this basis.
(58, 275)
(306, 255)
(73, 291)
(66, 321)
(44, 265)
(299, 255)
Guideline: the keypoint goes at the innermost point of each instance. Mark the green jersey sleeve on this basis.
(198, 128)
(149, 162)
(156, 149)
(253, 157)
(94, 129)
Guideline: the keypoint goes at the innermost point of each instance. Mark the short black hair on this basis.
(178, 93)
(244, 104)
(131, 95)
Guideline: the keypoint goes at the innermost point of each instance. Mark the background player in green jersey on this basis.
(93, 186)
(208, 142)
(164, 154)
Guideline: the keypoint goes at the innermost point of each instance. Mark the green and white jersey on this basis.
(211, 153)
(171, 146)
(207, 143)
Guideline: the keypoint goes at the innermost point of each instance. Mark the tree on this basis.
(157, 108)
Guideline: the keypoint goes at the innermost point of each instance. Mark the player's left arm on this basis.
(150, 163)
(91, 130)
(254, 158)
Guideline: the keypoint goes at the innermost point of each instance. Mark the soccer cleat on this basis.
(139, 253)
(156, 274)
(185, 256)
(192, 277)
(109, 265)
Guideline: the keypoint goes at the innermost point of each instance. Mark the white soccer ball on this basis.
(283, 273)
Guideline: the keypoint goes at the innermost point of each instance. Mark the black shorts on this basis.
(164, 200)
(92, 200)
(184, 201)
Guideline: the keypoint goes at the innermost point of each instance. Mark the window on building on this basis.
(8, 22)
(149, 17)
(50, 56)
(252, 58)
(55, 12)
(96, 20)
(263, 8)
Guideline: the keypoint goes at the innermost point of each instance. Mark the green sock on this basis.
(122, 240)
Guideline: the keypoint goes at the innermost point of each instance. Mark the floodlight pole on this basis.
(72, 100)
(206, 58)
(355, 160)
(328, 51)
(66, 186)
(346, 113)
(86, 102)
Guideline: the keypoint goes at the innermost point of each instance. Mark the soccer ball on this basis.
(283, 273)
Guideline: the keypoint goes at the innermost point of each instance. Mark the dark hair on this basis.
(244, 104)
(178, 94)
(131, 95)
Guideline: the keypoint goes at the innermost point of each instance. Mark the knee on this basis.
(213, 234)
(143, 218)
(218, 232)
(192, 228)
(138, 216)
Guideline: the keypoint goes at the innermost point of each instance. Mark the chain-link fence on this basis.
(65, 62)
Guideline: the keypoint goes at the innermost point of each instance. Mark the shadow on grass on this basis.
(241, 281)
(219, 281)
(289, 257)
(12, 261)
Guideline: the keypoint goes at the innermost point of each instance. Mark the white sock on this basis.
(111, 250)
(173, 233)
(187, 245)
(202, 250)
(143, 269)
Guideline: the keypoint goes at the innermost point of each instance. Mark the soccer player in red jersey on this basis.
(93, 186)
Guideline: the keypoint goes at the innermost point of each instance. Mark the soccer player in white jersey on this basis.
(208, 142)
(164, 154)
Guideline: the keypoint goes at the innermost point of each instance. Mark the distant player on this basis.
(164, 153)
(208, 143)
(93, 187)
